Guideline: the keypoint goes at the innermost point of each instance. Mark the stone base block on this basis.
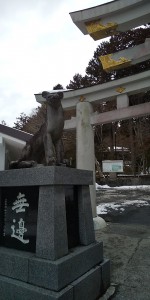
(14, 263)
(89, 286)
(55, 275)
(105, 274)
(11, 289)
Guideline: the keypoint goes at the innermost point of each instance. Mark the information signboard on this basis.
(115, 166)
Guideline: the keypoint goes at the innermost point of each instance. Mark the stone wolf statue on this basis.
(46, 145)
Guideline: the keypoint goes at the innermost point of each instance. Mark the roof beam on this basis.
(105, 92)
(125, 113)
(139, 110)
(127, 57)
(113, 17)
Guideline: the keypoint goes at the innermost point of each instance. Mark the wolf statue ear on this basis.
(60, 94)
(44, 94)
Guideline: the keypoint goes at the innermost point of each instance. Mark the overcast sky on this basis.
(39, 47)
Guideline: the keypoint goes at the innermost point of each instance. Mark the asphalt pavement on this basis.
(126, 242)
(130, 214)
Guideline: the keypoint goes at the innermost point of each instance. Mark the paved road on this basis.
(127, 247)
(131, 214)
(126, 240)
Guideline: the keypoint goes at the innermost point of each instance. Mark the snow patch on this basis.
(134, 187)
(124, 187)
(98, 187)
(104, 208)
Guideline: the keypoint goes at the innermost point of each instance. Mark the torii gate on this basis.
(120, 90)
(94, 21)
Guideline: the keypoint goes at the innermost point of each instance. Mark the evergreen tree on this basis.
(79, 82)
(58, 87)
(3, 123)
(21, 121)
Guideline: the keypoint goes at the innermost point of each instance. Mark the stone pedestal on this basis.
(49, 206)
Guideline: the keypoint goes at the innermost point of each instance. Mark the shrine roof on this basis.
(15, 133)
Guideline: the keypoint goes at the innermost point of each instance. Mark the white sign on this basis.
(115, 166)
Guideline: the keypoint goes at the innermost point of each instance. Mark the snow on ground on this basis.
(124, 187)
(103, 208)
(120, 206)
(98, 187)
